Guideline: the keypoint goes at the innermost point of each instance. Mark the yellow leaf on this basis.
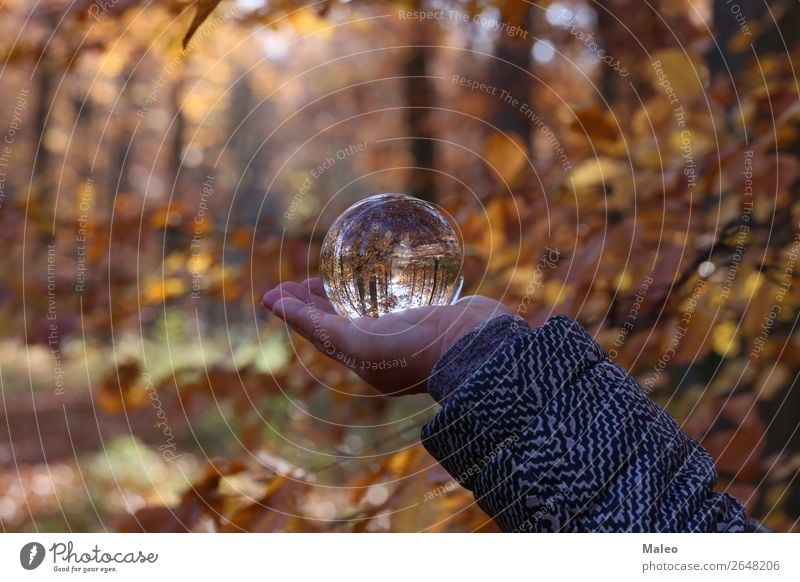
(157, 291)
(243, 484)
(624, 281)
(199, 263)
(522, 276)
(596, 172)
(724, 339)
(114, 60)
(690, 141)
(506, 155)
(174, 262)
(400, 462)
(554, 292)
(752, 283)
(308, 22)
(673, 70)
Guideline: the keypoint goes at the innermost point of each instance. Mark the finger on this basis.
(321, 303)
(270, 297)
(327, 332)
(309, 291)
(468, 299)
(287, 289)
(315, 286)
(297, 289)
(497, 308)
(297, 314)
(316, 294)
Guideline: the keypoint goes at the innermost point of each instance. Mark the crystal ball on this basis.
(388, 253)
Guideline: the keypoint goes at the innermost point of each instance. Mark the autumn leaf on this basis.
(203, 499)
(675, 70)
(122, 390)
(725, 339)
(492, 234)
(161, 290)
(597, 172)
(160, 227)
(204, 9)
(598, 126)
(309, 22)
(506, 155)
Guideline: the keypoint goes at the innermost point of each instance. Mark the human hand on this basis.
(396, 352)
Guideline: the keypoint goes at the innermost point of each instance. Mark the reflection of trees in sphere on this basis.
(388, 253)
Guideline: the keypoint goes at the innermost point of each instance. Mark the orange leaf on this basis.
(121, 390)
(506, 155)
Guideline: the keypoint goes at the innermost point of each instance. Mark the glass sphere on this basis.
(390, 252)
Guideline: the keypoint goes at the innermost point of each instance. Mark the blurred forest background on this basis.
(154, 184)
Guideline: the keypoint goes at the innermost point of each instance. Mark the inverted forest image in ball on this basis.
(388, 253)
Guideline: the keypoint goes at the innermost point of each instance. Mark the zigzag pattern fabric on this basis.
(550, 435)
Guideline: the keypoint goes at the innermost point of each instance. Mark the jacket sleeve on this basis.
(551, 435)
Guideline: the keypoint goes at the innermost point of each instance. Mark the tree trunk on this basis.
(173, 236)
(245, 140)
(509, 68)
(419, 97)
(45, 83)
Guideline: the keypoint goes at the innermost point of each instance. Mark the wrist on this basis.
(460, 360)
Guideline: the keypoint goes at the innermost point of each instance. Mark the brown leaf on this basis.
(276, 510)
(161, 519)
(204, 9)
(122, 390)
(597, 124)
(202, 500)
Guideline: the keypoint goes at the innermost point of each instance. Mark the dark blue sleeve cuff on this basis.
(468, 354)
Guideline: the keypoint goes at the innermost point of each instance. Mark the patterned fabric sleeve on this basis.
(550, 435)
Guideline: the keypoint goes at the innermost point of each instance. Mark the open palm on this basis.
(395, 353)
